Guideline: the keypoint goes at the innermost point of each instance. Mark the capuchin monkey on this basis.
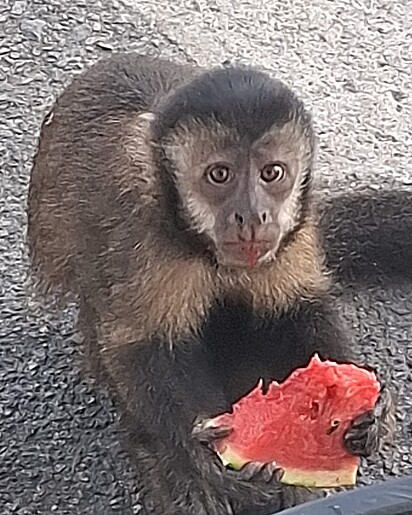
(175, 204)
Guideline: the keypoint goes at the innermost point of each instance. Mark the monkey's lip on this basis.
(247, 244)
(248, 252)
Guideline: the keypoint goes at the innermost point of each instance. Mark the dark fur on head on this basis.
(244, 100)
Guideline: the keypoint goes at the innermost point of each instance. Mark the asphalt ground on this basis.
(350, 60)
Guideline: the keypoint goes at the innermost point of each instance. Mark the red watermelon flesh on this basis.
(300, 424)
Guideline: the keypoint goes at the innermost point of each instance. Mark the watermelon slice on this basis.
(300, 424)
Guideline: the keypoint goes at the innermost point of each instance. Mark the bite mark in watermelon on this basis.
(300, 424)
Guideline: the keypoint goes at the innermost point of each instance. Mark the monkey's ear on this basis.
(147, 116)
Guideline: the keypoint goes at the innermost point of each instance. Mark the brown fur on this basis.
(189, 147)
(102, 151)
(147, 294)
(174, 295)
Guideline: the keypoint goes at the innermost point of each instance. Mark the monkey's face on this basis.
(245, 196)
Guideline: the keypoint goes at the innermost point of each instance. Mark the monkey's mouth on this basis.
(245, 253)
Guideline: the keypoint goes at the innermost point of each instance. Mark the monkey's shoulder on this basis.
(122, 84)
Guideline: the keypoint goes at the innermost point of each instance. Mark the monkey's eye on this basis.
(273, 172)
(218, 174)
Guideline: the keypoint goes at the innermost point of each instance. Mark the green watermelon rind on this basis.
(232, 459)
(345, 476)
(321, 478)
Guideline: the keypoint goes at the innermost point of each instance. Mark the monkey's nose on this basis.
(259, 218)
(239, 219)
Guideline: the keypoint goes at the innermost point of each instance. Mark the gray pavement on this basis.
(351, 60)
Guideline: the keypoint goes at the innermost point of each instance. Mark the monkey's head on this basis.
(239, 146)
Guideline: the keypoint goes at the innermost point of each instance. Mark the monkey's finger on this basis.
(250, 470)
(385, 404)
(364, 421)
(212, 434)
(271, 472)
(362, 443)
(265, 472)
(356, 433)
(204, 432)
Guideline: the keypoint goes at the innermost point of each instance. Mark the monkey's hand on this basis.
(205, 432)
(267, 475)
(367, 432)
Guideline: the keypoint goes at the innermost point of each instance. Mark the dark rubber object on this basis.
(392, 497)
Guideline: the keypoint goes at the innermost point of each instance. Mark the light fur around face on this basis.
(138, 151)
(193, 146)
(189, 149)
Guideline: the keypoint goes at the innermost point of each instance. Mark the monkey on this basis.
(175, 204)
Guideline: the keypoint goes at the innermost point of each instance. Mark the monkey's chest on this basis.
(243, 348)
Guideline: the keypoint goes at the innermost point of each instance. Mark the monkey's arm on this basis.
(163, 390)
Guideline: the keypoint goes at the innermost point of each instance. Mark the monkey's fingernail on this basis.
(279, 473)
(269, 471)
(202, 424)
(202, 421)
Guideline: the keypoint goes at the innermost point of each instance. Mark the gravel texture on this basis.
(350, 60)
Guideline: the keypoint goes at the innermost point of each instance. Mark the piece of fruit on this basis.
(300, 424)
